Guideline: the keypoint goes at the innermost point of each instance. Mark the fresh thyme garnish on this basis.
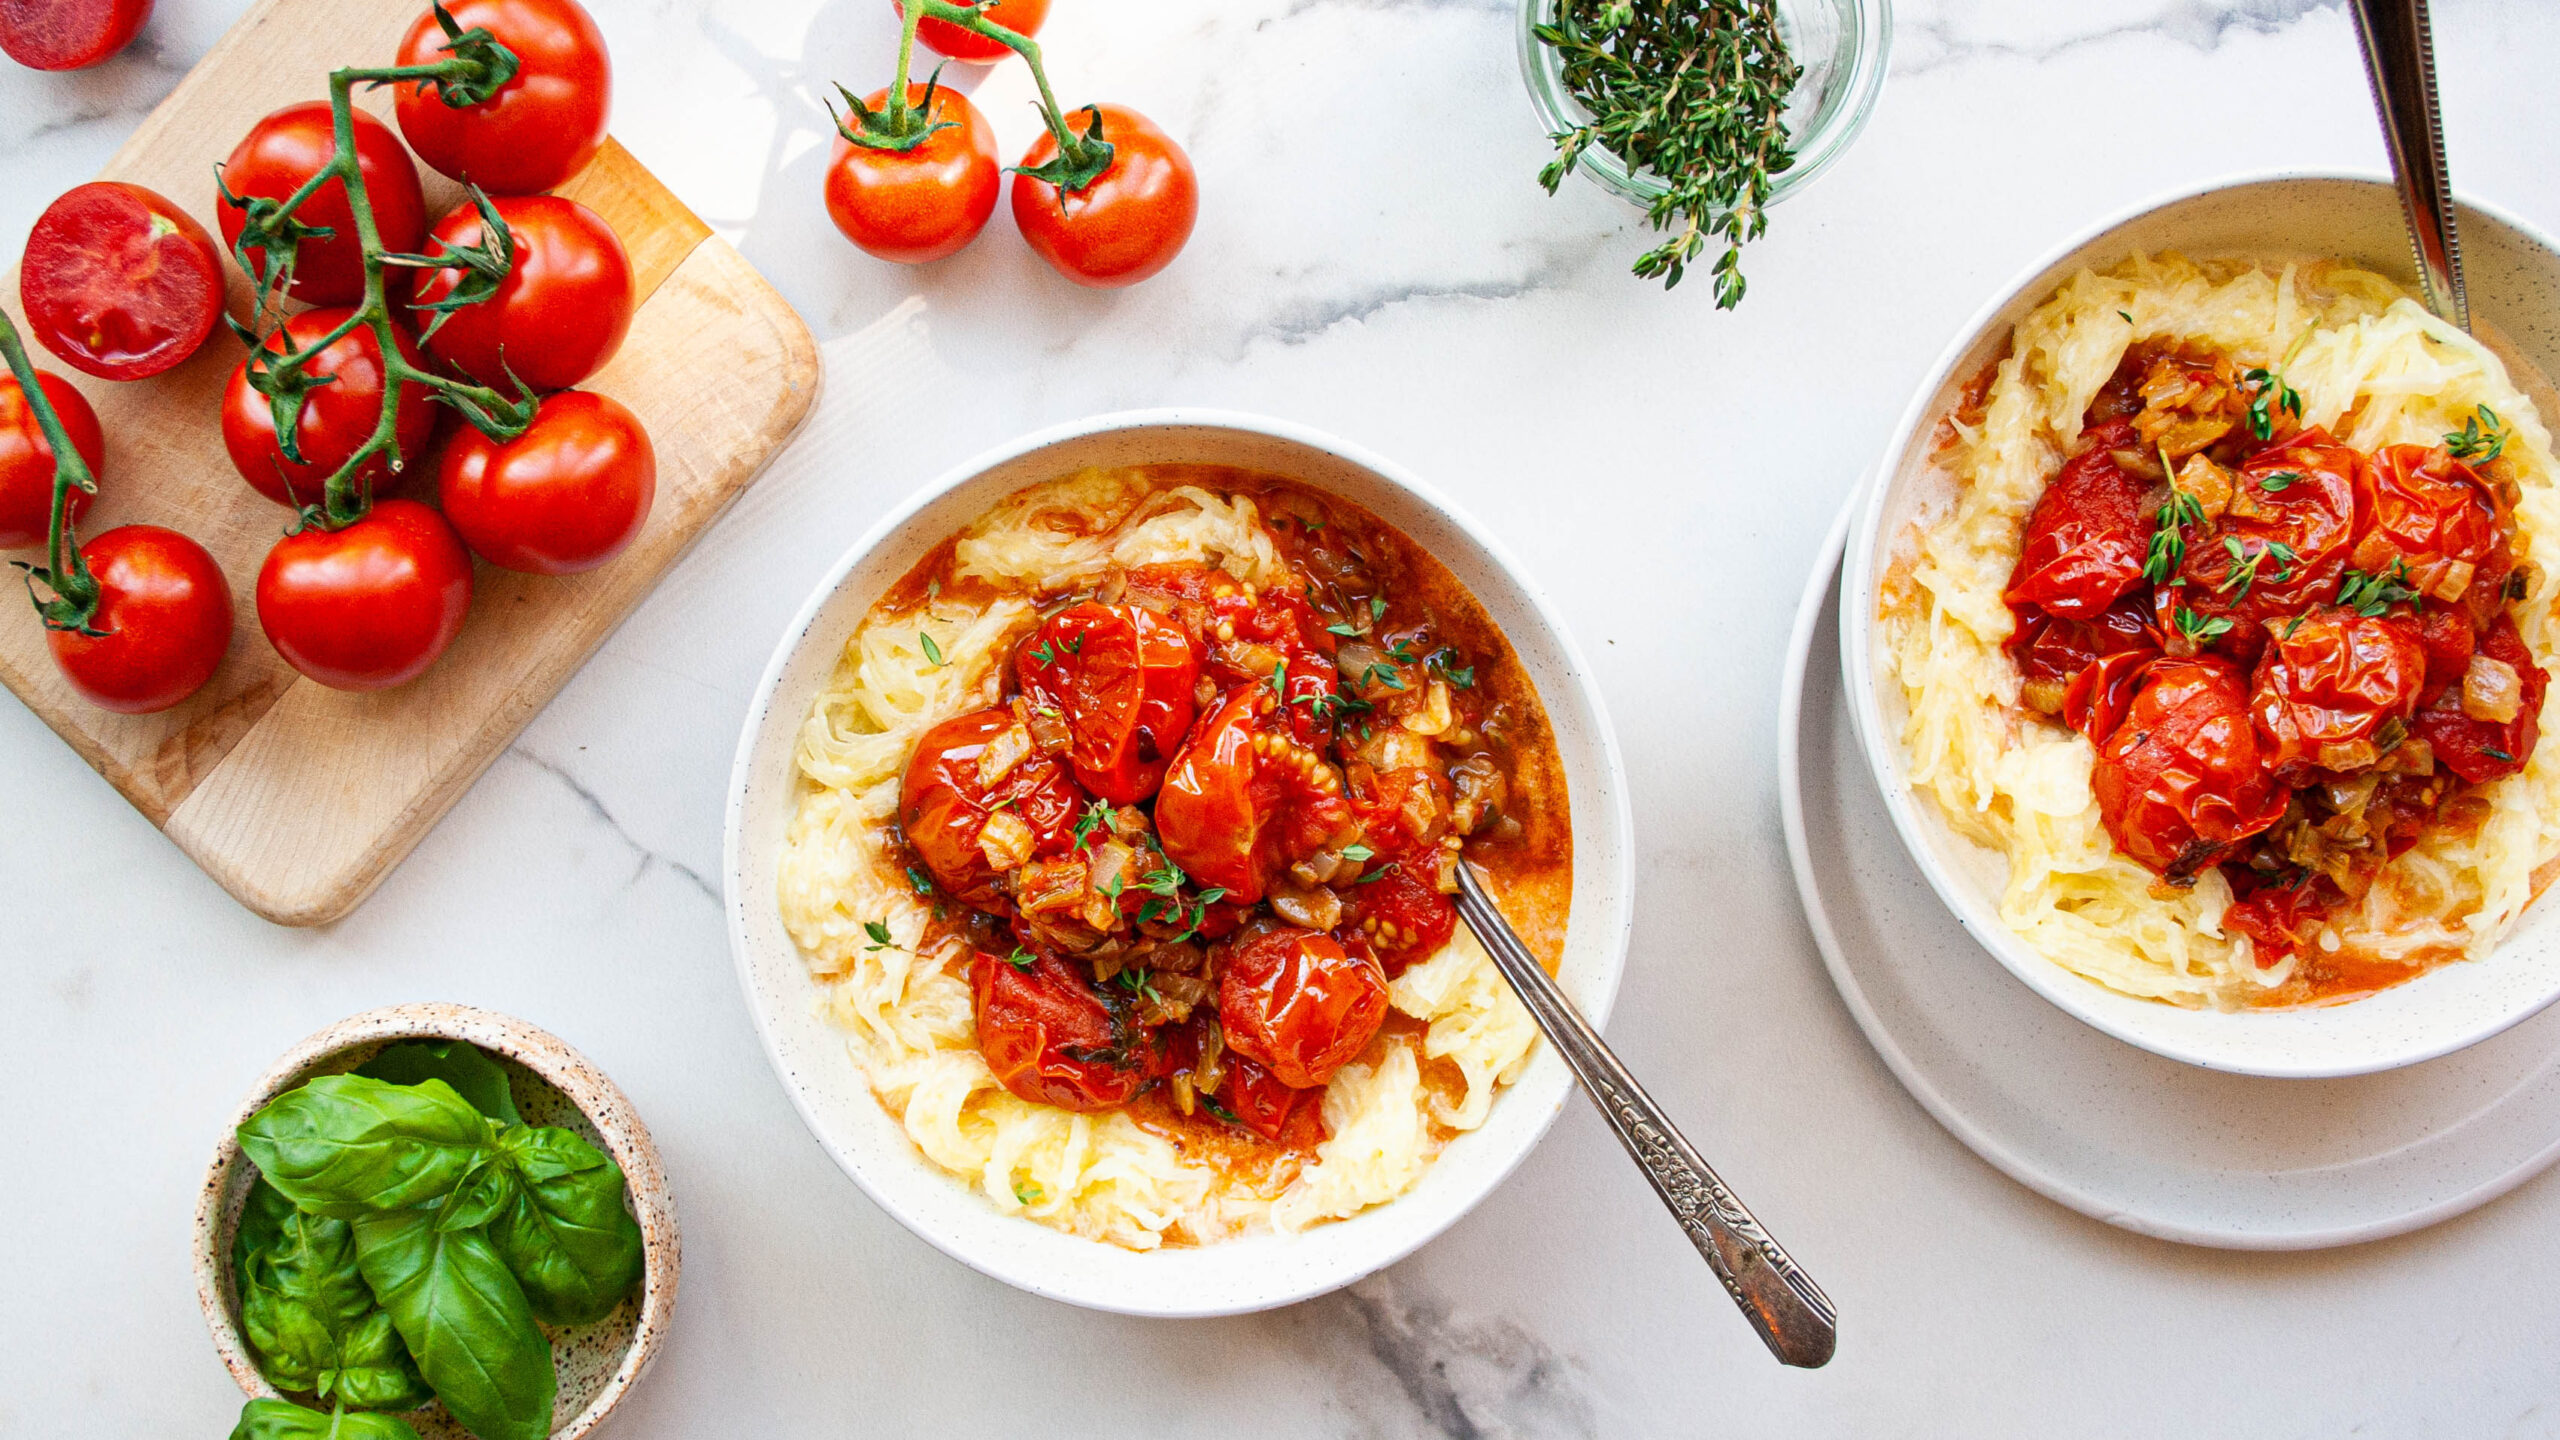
(932, 652)
(2268, 393)
(1378, 874)
(1383, 676)
(1357, 852)
(2482, 437)
(920, 880)
(2494, 753)
(2168, 540)
(2279, 482)
(1377, 608)
(1445, 660)
(1694, 93)
(1343, 628)
(2371, 595)
(2244, 565)
(1020, 959)
(2125, 315)
(1278, 680)
(879, 933)
(2201, 629)
(1094, 816)
(1044, 654)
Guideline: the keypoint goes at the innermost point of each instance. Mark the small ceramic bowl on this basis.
(2514, 275)
(553, 1085)
(828, 1086)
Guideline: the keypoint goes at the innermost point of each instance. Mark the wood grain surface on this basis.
(297, 798)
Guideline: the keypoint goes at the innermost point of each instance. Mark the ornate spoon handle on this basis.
(1782, 1302)
(2400, 60)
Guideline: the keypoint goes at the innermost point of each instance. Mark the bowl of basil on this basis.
(430, 1221)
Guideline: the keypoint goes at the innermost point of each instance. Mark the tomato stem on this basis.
(1081, 158)
(65, 571)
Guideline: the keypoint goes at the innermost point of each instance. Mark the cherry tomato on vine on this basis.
(1297, 1003)
(336, 418)
(119, 281)
(542, 126)
(1121, 677)
(279, 156)
(26, 459)
(557, 317)
(69, 34)
(1053, 1038)
(566, 495)
(369, 606)
(1125, 226)
(1023, 17)
(944, 806)
(919, 205)
(1244, 800)
(166, 611)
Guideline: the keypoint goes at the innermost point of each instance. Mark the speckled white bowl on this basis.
(553, 1085)
(823, 1080)
(2514, 281)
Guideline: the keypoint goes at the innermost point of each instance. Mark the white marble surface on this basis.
(1373, 258)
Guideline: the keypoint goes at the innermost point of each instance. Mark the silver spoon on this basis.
(2400, 60)
(1791, 1313)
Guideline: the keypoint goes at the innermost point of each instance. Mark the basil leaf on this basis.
(284, 1420)
(568, 1236)
(308, 1315)
(465, 1319)
(458, 1063)
(346, 1145)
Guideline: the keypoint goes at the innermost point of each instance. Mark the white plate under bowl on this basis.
(809, 1054)
(2114, 1132)
(2514, 275)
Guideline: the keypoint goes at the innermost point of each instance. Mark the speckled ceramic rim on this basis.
(2402, 1026)
(1203, 1281)
(539, 1051)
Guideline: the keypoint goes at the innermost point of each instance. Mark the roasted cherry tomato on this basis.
(542, 126)
(2328, 681)
(279, 156)
(2282, 546)
(557, 317)
(119, 281)
(1023, 17)
(2450, 637)
(1055, 1038)
(1249, 636)
(166, 611)
(2484, 750)
(1125, 226)
(2432, 522)
(1296, 1003)
(69, 34)
(1403, 810)
(948, 798)
(2103, 691)
(370, 606)
(2180, 782)
(2279, 917)
(336, 419)
(1245, 800)
(26, 459)
(1121, 677)
(1398, 911)
(2048, 647)
(565, 496)
(1258, 1100)
(913, 206)
(2087, 537)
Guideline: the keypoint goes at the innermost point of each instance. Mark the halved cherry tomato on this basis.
(26, 459)
(919, 205)
(2087, 536)
(1125, 226)
(1121, 676)
(1245, 800)
(543, 126)
(69, 34)
(1258, 1100)
(2330, 678)
(2424, 510)
(1054, 1038)
(560, 313)
(1403, 811)
(1398, 911)
(119, 281)
(1297, 1003)
(565, 496)
(1023, 17)
(166, 611)
(945, 803)
(370, 606)
(2298, 494)
(1249, 636)
(2180, 782)
(336, 419)
(279, 156)
(2484, 750)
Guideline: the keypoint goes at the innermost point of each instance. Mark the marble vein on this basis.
(1929, 43)
(1466, 1379)
(648, 859)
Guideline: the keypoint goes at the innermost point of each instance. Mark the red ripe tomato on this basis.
(1403, 811)
(566, 495)
(2423, 509)
(1296, 1003)
(1258, 1100)
(914, 206)
(2088, 535)
(2047, 647)
(279, 156)
(2180, 782)
(1023, 17)
(2484, 750)
(541, 127)
(69, 34)
(120, 282)
(560, 313)
(26, 459)
(1398, 911)
(2450, 637)
(370, 606)
(945, 803)
(336, 419)
(166, 611)
(1053, 1038)
(2103, 691)
(1125, 226)
(2328, 680)
(1121, 676)
(2299, 494)
(1244, 800)
(2279, 919)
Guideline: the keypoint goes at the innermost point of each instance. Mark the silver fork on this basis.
(2400, 61)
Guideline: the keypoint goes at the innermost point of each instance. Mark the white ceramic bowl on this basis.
(1256, 1272)
(2514, 281)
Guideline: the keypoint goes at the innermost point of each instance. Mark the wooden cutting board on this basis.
(297, 798)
